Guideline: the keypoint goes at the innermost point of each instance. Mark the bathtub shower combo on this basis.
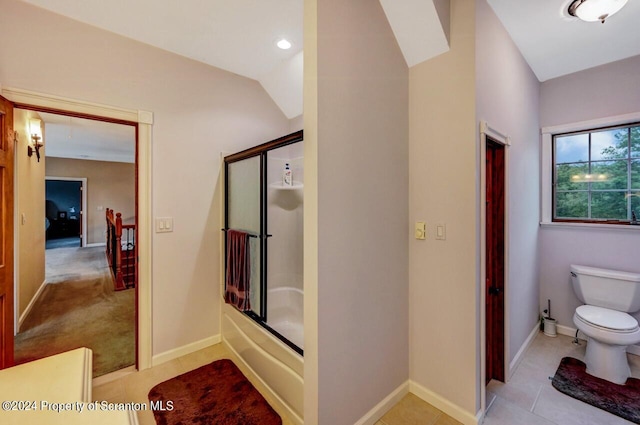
(264, 194)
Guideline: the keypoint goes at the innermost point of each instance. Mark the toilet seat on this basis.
(607, 319)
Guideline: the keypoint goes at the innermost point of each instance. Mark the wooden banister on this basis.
(119, 261)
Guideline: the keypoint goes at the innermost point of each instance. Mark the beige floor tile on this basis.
(504, 413)
(203, 357)
(411, 410)
(447, 420)
(137, 385)
(111, 391)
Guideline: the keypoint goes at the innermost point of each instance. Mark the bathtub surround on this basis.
(572, 379)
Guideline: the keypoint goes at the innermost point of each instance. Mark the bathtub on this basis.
(285, 313)
(274, 363)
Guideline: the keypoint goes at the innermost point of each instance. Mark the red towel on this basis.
(238, 276)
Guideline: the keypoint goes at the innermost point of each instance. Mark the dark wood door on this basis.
(6, 233)
(495, 167)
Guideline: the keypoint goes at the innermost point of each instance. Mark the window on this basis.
(596, 175)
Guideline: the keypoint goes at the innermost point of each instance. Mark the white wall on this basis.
(599, 92)
(199, 111)
(443, 275)
(508, 99)
(356, 161)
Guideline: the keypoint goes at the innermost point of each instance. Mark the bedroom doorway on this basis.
(65, 202)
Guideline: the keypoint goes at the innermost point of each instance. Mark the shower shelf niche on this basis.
(282, 186)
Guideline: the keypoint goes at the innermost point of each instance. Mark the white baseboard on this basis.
(445, 405)
(566, 330)
(27, 310)
(520, 354)
(184, 350)
(378, 411)
(91, 245)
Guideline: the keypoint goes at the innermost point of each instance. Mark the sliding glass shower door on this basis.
(244, 194)
(261, 201)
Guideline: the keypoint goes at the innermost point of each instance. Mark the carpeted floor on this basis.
(79, 308)
(217, 393)
(572, 379)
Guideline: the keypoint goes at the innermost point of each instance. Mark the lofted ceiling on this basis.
(556, 44)
(240, 35)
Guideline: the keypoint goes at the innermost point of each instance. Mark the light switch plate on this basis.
(164, 224)
(441, 231)
(420, 230)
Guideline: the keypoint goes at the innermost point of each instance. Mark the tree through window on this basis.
(597, 175)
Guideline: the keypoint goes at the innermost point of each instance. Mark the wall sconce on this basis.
(36, 138)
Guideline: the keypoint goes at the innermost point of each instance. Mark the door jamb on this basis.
(145, 123)
(488, 132)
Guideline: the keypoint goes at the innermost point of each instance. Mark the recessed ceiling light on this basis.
(284, 44)
(595, 10)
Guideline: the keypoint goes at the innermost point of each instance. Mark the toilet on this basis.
(609, 296)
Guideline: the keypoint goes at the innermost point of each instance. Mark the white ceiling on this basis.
(239, 36)
(555, 43)
(79, 138)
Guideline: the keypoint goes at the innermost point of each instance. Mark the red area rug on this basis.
(216, 394)
(572, 379)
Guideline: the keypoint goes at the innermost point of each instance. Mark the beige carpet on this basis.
(79, 308)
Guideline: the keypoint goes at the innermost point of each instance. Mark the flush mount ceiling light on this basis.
(595, 10)
(283, 44)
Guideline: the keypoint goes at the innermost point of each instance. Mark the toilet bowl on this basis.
(609, 296)
(609, 333)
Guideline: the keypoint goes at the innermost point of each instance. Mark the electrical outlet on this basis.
(420, 230)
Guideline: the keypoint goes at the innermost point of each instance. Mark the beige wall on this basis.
(30, 232)
(358, 169)
(443, 303)
(109, 185)
(199, 112)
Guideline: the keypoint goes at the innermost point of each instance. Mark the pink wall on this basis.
(362, 210)
(199, 112)
(508, 99)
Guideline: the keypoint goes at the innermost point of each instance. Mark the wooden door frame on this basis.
(83, 181)
(487, 132)
(143, 121)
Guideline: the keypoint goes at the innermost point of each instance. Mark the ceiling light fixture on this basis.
(284, 44)
(595, 10)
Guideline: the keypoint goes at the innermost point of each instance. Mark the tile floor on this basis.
(528, 398)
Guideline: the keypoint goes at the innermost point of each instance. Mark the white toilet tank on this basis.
(607, 288)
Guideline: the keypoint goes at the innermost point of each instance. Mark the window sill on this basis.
(593, 226)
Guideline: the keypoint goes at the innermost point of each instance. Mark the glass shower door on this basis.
(244, 194)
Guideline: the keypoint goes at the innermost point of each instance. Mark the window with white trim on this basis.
(596, 175)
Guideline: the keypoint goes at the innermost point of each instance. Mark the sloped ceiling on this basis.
(240, 36)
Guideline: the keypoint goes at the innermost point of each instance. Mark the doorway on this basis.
(65, 202)
(495, 260)
(76, 276)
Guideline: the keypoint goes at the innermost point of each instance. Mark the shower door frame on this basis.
(261, 151)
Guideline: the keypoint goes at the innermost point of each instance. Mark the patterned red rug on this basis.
(572, 379)
(217, 393)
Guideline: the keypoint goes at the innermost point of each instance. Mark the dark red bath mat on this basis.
(217, 393)
(572, 379)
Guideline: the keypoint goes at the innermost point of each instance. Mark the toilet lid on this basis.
(607, 318)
